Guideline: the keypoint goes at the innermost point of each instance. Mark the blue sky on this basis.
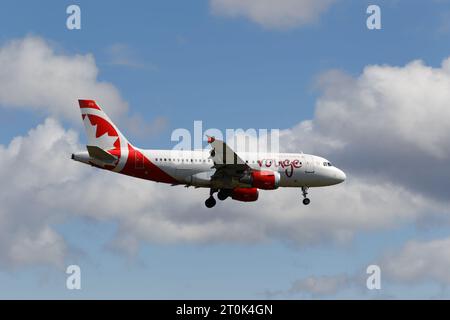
(233, 64)
(179, 61)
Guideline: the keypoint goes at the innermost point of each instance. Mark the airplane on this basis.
(235, 175)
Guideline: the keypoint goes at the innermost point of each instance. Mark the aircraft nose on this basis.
(340, 175)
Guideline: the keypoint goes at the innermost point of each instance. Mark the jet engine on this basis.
(245, 194)
(266, 180)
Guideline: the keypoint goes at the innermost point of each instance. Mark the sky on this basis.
(374, 102)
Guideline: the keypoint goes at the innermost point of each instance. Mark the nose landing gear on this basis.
(306, 200)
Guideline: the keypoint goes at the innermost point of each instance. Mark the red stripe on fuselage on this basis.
(140, 167)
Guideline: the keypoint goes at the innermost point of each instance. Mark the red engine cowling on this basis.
(266, 180)
(245, 194)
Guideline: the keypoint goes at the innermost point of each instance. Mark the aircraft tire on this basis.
(210, 202)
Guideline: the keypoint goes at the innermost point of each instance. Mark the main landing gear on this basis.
(306, 200)
(211, 202)
(223, 194)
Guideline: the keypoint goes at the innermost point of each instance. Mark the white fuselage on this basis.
(296, 169)
(239, 178)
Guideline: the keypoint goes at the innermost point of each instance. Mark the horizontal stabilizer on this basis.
(99, 154)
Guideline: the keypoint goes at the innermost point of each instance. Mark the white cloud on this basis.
(280, 14)
(29, 165)
(56, 187)
(34, 76)
(35, 247)
(419, 261)
(416, 263)
(154, 216)
(389, 123)
(367, 124)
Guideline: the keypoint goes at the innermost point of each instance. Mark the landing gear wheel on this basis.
(306, 201)
(222, 195)
(210, 202)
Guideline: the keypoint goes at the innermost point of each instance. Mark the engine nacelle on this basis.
(245, 194)
(266, 180)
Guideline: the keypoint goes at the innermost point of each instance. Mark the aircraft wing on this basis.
(226, 161)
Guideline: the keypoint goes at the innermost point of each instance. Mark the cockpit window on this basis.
(327, 164)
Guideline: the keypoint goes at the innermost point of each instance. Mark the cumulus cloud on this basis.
(56, 187)
(281, 14)
(154, 216)
(34, 76)
(366, 124)
(29, 165)
(415, 263)
(419, 261)
(389, 123)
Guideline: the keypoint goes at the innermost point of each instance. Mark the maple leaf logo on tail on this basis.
(104, 139)
(100, 133)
